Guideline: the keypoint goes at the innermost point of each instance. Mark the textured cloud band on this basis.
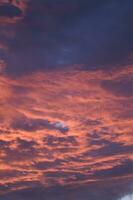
(66, 99)
(56, 135)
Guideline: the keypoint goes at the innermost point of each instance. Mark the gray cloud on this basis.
(29, 124)
(124, 168)
(55, 35)
(110, 148)
(120, 87)
(93, 191)
(62, 141)
(9, 10)
(24, 144)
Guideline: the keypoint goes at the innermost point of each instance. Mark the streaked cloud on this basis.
(66, 99)
(65, 128)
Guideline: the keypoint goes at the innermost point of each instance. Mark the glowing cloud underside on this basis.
(65, 128)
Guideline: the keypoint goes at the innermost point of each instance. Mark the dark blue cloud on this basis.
(124, 168)
(9, 10)
(92, 191)
(30, 125)
(55, 35)
(119, 87)
(4, 144)
(47, 165)
(24, 144)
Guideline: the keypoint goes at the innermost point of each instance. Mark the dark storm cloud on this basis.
(53, 34)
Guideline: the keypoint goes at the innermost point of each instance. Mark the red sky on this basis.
(66, 100)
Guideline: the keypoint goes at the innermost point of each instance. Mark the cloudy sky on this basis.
(66, 99)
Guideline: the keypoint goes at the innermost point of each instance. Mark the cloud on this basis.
(9, 10)
(24, 144)
(110, 148)
(31, 125)
(66, 113)
(54, 141)
(57, 35)
(4, 144)
(119, 87)
(94, 191)
(61, 129)
(47, 165)
(8, 174)
(124, 169)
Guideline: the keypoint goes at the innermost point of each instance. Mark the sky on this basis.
(66, 100)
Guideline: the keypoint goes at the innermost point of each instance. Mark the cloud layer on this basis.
(49, 34)
(66, 129)
(66, 99)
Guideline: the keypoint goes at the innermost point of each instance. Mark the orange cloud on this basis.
(64, 127)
